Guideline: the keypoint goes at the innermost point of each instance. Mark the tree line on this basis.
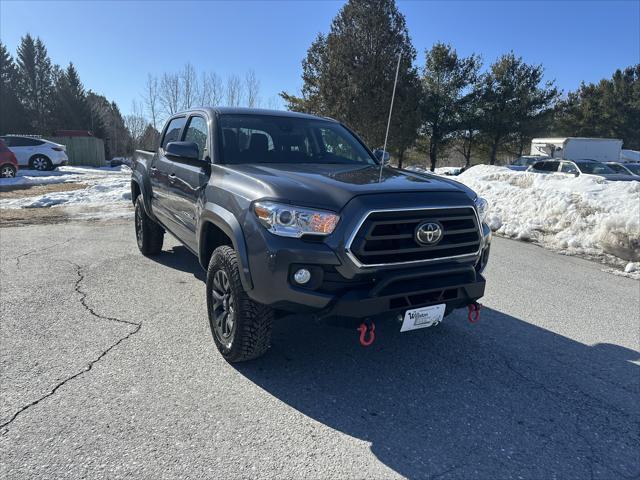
(171, 92)
(451, 104)
(39, 97)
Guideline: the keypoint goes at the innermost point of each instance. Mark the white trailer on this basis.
(632, 156)
(576, 148)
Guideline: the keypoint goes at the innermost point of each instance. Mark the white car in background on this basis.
(36, 153)
(586, 167)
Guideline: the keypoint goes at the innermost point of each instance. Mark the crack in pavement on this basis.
(89, 366)
(83, 299)
(36, 250)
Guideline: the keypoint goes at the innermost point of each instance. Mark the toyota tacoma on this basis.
(289, 212)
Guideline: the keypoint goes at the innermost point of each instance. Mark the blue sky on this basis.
(115, 44)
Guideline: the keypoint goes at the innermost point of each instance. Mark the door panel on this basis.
(185, 187)
(189, 180)
(161, 171)
(22, 154)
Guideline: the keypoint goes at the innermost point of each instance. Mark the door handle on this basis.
(172, 178)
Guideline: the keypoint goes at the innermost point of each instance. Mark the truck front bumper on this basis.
(407, 290)
(370, 293)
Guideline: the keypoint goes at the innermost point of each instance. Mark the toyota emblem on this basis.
(428, 233)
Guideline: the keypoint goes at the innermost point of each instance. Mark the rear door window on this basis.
(568, 167)
(547, 166)
(172, 133)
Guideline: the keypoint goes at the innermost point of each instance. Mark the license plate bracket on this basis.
(422, 317)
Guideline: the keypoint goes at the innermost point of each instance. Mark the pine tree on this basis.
(513, 99)
(107, 123)
(72, 108)
(446, 87)
(469, 114)
(35, 82)
(348, 74)
(610, 108)
(12, 114)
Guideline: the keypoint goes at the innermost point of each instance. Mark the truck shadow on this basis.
(499, 399)
(181, 259)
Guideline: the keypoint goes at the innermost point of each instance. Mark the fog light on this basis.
(302, 276)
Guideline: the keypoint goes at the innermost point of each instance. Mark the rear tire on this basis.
(7, 171)
(149, 234)
(241, 328)
(40, 162)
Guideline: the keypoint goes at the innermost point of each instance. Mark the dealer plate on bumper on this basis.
(422, 317)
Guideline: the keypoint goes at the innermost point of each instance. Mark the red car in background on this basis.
(8, 162)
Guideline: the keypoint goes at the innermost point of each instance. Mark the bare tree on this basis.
(234, 91)
(252, 87)
(169, 93)
(217, 89)
(273, 103)
(151, 99)
(189, 86)
(211, 89)
(136, 123)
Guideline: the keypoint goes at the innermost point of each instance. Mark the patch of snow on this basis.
(632, 267)
(449, 171)
(107, 193)
(574, 215)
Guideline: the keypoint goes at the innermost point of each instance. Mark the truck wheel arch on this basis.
(138, 189)
(135, 191)
(219, 227)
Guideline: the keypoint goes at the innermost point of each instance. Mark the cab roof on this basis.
(258, 111)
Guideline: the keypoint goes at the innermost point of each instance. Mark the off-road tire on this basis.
(251, 336)
(40, 162)
(149, 235)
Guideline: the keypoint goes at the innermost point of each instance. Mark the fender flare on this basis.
(227, 222)
(137, 178)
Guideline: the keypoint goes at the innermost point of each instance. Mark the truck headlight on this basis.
(483, 208)
(289, 221)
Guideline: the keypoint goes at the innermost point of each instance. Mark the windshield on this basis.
(275, 139)
(594, 168)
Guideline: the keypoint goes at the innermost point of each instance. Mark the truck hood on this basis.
(333, 186)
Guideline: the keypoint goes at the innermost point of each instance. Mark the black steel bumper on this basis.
(339, 289)
(408, 290)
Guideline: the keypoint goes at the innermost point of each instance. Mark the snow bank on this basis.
(107, 192)
(577, 215)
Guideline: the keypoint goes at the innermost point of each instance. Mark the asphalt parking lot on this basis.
(109, 371)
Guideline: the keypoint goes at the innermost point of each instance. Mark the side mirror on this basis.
(186, 152)
(382, 156)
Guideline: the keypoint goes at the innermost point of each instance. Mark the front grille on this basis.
(388, 237)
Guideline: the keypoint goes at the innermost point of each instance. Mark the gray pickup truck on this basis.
(290, 212)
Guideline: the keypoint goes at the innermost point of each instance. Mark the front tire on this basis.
(149, 235)
(40, 162)
(241, 328)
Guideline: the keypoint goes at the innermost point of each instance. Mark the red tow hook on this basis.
(474, 312)
(363, 328)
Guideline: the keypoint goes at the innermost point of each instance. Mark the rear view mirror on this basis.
(382, 156)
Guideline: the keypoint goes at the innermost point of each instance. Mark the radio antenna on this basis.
(386, 135)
